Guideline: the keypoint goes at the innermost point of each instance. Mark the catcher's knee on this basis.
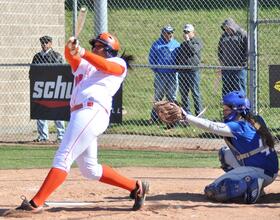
(225, 190)
(226, 167)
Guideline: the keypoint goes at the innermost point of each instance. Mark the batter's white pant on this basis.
(239, 172)
(80, 141)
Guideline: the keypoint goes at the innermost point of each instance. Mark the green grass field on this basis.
(23, 157)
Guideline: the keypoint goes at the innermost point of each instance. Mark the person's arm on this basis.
(74, 61)
(245, 48)
(153, 57)
(180, 55)
(210, 126)
(59, 58)
(35, 59)
(104, 65)
(194, 46)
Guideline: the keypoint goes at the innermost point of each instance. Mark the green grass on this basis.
(23, 157)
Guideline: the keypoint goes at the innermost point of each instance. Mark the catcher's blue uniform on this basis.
(249, 158)
(246, 140)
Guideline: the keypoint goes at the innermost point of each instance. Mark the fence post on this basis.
(253, 61)
(101, 18)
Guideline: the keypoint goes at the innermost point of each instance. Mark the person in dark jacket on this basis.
(233, 51)
(46, 56)
(189, 54)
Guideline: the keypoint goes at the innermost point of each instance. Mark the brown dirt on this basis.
(176, 193)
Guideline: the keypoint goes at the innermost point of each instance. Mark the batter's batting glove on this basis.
(75, 48)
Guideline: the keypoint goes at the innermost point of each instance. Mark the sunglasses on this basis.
(186, 32)
(44, 42)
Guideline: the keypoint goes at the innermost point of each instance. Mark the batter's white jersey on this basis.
(91, 83)
(88, 122)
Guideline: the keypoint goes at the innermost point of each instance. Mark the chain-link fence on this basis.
(268, 54)
(138, 24)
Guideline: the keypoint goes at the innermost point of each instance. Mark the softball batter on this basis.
(98, 76)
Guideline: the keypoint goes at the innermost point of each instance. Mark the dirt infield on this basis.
(176, 193)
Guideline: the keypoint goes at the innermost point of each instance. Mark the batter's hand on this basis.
(75, 48)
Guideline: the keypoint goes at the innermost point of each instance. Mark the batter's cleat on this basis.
(254, 190)
(26, 206)
(139, 194)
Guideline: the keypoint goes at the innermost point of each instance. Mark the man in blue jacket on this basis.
(165, 80)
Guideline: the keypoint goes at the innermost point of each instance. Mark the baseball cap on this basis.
(188, 27)
(168, 29)
(45, 39)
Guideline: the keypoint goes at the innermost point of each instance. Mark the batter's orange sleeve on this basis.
(74, 61)
(104, 65)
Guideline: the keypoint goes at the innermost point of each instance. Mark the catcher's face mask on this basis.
(229, 113)
(237, 102)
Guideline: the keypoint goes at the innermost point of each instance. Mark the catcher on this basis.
(249, 158)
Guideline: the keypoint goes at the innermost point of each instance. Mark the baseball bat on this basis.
(80, 21)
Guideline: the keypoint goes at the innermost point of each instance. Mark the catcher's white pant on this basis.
(80, 141)
(239, 172)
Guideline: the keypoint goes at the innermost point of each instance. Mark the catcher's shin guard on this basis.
(139, 194)
(226, 167)
(225, 190)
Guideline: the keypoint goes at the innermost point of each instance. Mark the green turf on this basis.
(23, 157)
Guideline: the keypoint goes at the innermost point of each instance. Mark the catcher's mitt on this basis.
(168, 112)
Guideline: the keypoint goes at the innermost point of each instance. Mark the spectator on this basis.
(189, 54)
(48, 55)
(233, 51)
(165, 80)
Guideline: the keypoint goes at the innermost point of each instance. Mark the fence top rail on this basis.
(188, 67)
(268, 21)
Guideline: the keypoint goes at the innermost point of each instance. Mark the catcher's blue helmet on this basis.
(238, 102)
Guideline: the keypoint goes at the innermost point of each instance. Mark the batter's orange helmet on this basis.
(112, 45)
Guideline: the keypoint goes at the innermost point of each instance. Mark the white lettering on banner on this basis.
(116, 112)
(51, 89)
(48, 93)
(38, 89)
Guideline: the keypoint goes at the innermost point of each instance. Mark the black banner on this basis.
(274, 86)
(50, 92)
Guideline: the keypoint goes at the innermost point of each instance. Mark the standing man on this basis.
(48, 55)
(165, 80)
(233, 51)
(189, 54)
